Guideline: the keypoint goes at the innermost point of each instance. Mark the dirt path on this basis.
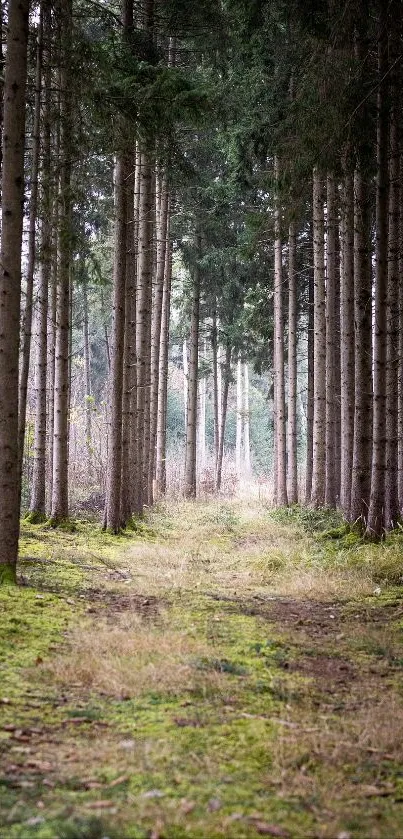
(179, 685)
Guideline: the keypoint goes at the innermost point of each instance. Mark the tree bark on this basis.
(143, 322)
(319, 417)
(87, 375)
(191, 424)
(33, 212)
(162, 234)
(310, 393)
(227, 379)
(114, 472)
(332, 406)
(392, 510)
(161, 472)
(292, 366)
(38, 495)
(361, 471)
(376, 523)
(246, 421)
(239, 420)
(10, 280)
(279, 389)
(347, 339)
(60, 502)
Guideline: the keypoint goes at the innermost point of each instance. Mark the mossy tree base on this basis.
(8, 575)
(35, 517)
(67, 525)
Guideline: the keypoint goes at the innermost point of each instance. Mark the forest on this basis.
(201, 419)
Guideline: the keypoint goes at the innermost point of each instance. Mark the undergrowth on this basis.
(155, 684)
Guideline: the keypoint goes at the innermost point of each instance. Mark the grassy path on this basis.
(222, 673)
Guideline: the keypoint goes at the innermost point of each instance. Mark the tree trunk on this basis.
(392, 510)
(143, 320)
(38, 495)
(279, 389)
(319, 416)
(114, 473)
(239, 420)
(310, 393)
(87, 375)
(400, 371)
(375, 523)
(246, 421)
(214, 347)
(202, 418)
(60, 508)
(33, 212)
(292, 366)
(347, 340)
(361, 471)
(161, 233)
(161, 473)
(10, 280)
(191, 424)
(332, 406)
(185, 379)
(227, 379)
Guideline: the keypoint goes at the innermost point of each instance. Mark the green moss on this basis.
(34, 517)
(8, 576)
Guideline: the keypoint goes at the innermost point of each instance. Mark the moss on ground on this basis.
(288, 720)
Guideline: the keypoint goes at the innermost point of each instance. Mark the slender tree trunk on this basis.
(214, 347)
(38, 495)
(51, 340)
(185, 379)
(191, 425)
(227, 379)
(33, 212)
(87, 375)
(281, 438)
(310, 393)
(347, 340)
(392, 511)
(239, 420)
(376, 513)
(202, 418)
(246, 421)
(361, 471)
(60, 508)
(132, 271)
(10, 280)
(161, 473)
(400, 372)
(331, 343)
(129, 397)
(114, 473)
(292, 366)
(162, 234)
(319, 416)
(143, 320)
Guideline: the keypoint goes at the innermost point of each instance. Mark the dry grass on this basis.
(131, 658)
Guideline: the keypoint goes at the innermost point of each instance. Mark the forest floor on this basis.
(226, 671)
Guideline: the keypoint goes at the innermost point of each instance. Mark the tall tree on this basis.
(375, 523)
(60, 497)
(319, 417)
(12, 185)
(292, 365)
(279, 382)
(191, 413)
(38, 495)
